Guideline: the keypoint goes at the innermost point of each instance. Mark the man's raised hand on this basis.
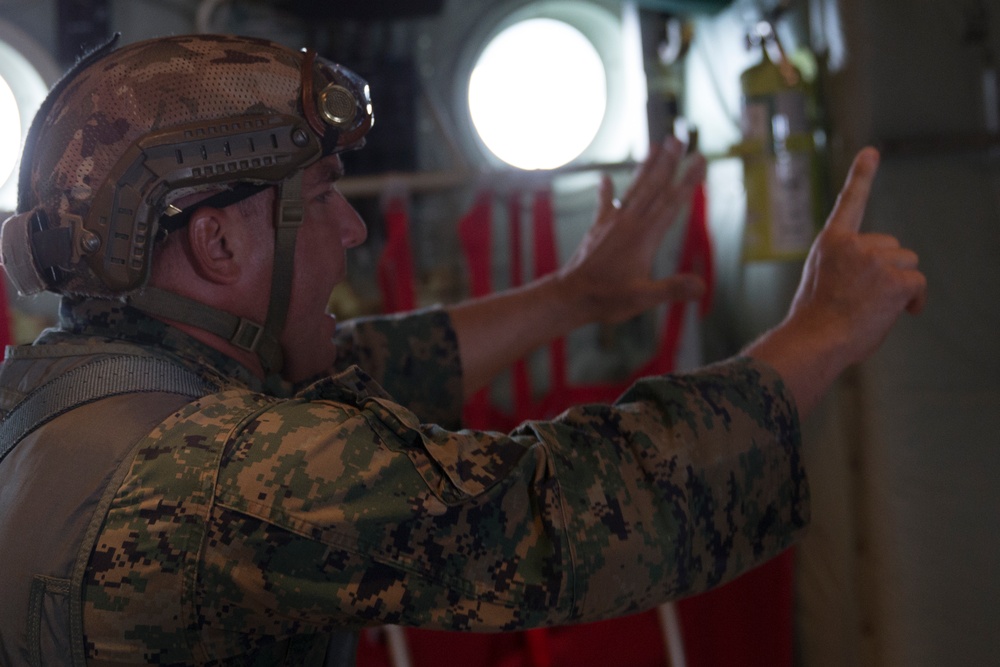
(610, 273)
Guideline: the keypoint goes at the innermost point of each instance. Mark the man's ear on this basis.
(212, 245)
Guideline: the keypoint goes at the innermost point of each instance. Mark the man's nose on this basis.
(353, 231)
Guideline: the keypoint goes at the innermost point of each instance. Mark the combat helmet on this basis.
(129, 131)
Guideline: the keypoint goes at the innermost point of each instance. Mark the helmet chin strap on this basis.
(262, 340)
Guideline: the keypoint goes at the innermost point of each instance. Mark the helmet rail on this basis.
(116, 237)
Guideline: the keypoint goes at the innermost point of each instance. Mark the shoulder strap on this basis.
(108, 376)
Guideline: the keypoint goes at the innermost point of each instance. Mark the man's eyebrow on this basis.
(324, 176)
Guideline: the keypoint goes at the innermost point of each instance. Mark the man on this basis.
(195, 473)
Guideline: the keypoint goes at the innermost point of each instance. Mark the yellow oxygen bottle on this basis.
(779, 155)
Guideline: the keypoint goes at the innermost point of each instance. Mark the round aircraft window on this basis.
(26, 70)
(10, 131)
(538, 94)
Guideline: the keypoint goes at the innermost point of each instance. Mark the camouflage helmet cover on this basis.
(152, 121)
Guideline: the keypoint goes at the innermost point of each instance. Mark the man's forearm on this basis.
(496, 330)
(806, 355)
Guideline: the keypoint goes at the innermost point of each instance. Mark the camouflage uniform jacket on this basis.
(248, 525)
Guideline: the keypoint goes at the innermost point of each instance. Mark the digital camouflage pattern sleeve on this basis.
(339, 509)
(413, 356)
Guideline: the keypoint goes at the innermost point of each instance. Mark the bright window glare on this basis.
(10, 131)
(538, 94)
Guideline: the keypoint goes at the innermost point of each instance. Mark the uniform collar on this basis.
(100, 320)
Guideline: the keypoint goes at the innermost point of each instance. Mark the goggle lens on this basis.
(341, 112)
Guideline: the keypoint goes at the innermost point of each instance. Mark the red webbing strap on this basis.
(475, 232)
(695, 257)
(521, 383)
(539, 647)
(698, 248)
(395, 265)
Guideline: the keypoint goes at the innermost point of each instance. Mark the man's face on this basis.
(330, 226)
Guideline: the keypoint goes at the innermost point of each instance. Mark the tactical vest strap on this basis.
(105, 377)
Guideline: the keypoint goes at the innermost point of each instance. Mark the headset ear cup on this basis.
(16, 254)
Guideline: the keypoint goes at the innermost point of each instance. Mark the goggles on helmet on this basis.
(336, 103)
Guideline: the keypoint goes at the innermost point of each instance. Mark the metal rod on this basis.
(427, 181)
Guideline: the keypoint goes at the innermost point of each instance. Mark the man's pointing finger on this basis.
(849, 210)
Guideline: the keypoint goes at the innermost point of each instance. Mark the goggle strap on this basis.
(309, 95)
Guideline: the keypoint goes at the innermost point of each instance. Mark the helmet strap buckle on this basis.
(248, 335)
